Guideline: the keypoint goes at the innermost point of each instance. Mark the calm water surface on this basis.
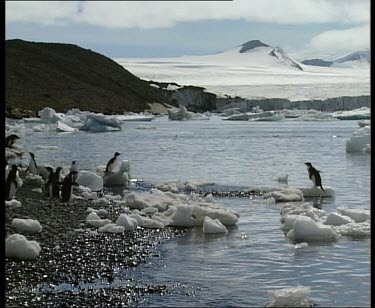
(254, 257)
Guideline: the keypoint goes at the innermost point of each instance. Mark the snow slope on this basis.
(252, 74)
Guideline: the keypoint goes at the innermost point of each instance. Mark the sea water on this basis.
(255, 257)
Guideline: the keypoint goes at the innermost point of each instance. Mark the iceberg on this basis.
(316, 192)
(135, 118)
(213, 226)
(306, 229)
(182, 114)
(100, 123)
(62, 127)
(119, 176)
(363, 113)
(90, 180)
(360, 141)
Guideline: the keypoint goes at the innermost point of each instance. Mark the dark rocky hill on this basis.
(65, 76)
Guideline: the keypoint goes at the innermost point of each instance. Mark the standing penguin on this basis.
(48, 184)
(73, 167)
(12, 183)
(314, 176)
(33, 167)
(67, 187)
(111, 163)
(56, 181)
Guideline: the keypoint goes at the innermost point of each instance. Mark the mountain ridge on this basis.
(64, 76)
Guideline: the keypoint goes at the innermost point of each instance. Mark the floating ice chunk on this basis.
(100, 123)
(358, 215)
(307, 229)
(181, 114)
(213, 226)
(26, 225)
(119, 177)
(227, 218)
(127, 222)
(13, 203)
(367, 148)
(359, 140)
(288, 221)
(335, 219)
(183, 217)
(18, 246)
(283, 179)
(62, 127)
(111, 228)
(316, 192)
(362, 123)
(47, 115)
(89, 179)
(362, 113)
(37, 190)
(361, 229)
(290, 297)
(285, 195)
(94, 220)
(301, 245)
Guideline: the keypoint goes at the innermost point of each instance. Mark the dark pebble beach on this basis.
(77, 266)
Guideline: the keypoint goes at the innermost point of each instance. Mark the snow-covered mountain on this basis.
(352, 59)
(256, 54)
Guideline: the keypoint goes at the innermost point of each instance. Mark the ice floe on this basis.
(362, 113)
(94, 220)
(285, 194)
(18, 246)
(290, 297)
(213, 226)
(90, 180)
(359, 141)
(181, 114)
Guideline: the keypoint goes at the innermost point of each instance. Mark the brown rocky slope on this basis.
(65, 76)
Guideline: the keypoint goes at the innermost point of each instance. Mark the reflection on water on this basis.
(238, 268)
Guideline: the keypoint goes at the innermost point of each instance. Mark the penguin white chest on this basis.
(12, 190)
(32, 167)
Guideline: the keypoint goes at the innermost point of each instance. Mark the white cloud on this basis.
(162, 14)
(353, 39)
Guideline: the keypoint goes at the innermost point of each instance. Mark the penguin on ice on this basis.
(314, 175)
(67, 187)
(12, 183)
(33, 167)
(111, 163)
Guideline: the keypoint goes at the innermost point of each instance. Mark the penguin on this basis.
(6, 170)
(56, 181)
(73, 167)
(314, 175)
(67, 187)
(111, 163)
(48, 185)
(12, 182)
(33, 167)
(10, 140)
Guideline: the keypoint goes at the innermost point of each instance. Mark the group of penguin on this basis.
(53, 182)
(53, 179)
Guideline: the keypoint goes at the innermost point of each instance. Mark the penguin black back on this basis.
(10, 140)
(314, 175)
(11, 183)
(111, 162)
(56, 182)
(66, 189)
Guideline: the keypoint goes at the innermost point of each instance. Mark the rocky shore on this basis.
(77, 266)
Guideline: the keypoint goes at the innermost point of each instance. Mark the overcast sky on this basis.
(303, 28)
